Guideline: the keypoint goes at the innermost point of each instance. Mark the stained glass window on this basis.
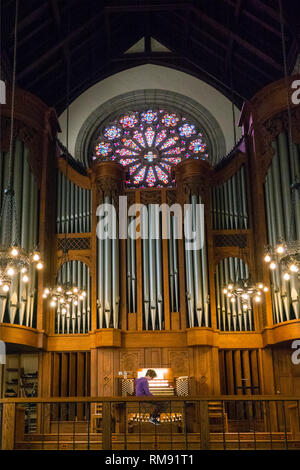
(149, 144)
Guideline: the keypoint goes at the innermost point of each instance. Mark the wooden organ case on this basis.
(189, 327)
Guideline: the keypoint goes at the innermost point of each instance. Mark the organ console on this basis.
(165, 384)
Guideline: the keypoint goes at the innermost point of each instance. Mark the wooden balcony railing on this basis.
(122, 423)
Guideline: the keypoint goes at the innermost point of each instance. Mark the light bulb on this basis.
(245, 307)
(229, 294)
(44, 296)
(245, 296)
(23, 270)
(225, 291)
(257, 298)
(53, 303)
(36, 257)
(230, 287)
(61, 300)
(260, 286)
(267, 258)
(5, 287)
(39, 266)
(273, 265)
(280, 249)
(69, 292)
(266, 289)
(14, 251)
(59, 289)
(25, 278)
(294, 268)
(46, 291)
(75, 302)
(64, 310)
(83, 293)
(75, 289)
(10, 271)
(286, 277)
(232, 300)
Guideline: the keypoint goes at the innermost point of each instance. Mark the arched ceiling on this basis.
(231, 44)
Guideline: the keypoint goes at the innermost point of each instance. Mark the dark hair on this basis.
(151, 373)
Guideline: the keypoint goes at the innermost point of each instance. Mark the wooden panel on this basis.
(80, 383)
(8, 426)
(55, 375)
(230, 379)
(72, 383)
(179, 362)
(153, 357)
(94, 369)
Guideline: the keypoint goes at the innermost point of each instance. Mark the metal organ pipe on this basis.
(158, 266)
(73, 208)
(197, 268)
(233, 317)
(175, 261)
(283, 172)
(189, 274)
(171, 264)
(76, 318)
(152, 265)
(21, 296)
(146, 281)
(229, 203)
(133, 272)
(100, 276)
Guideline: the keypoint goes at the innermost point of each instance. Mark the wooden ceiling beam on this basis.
(57, 20)
(237, 11)
(222, 45)
(33, 16)
(131, 8)
(226, 32)
(58, 45)
(256, 19)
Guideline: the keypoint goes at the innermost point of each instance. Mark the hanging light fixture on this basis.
(246, 291)
(286, 253)
(63, 295)
(14, 260)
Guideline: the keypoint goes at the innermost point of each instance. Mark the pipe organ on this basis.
(131, 269)
(152, 269)
(283, 172)
(77, 317)
(151, 301)
(19, 306)
(73, 207)
(173, 263)
(229, 203)
(230, 315)
(197, 295)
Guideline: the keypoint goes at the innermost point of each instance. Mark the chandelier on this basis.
(245, 291)
(62, 296)
(286, 254)
(15, 262)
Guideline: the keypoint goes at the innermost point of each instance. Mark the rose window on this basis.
(149, 143)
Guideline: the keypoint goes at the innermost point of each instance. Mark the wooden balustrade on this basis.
(199, 433)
